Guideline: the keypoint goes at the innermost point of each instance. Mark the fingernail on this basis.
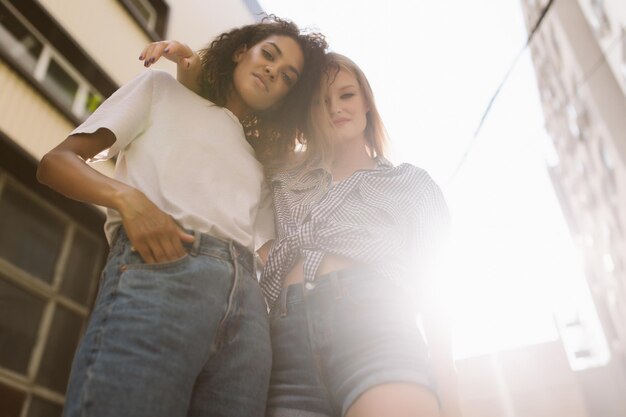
(152, 60)
(166, 50)
(141, 57)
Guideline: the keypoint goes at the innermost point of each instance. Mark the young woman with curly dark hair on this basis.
(209, 72)
(180, 327)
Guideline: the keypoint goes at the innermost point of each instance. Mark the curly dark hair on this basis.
(273, 133)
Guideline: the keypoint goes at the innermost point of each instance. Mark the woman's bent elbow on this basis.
(45, 168)
(41, 169)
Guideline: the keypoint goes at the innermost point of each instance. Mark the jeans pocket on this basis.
(136, 262)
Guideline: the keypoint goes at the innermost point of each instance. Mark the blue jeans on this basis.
(183, 338)
(339, 336)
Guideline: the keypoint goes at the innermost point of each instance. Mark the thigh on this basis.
(235, 378)
(147, 338)
(295, 387)
(395, 400)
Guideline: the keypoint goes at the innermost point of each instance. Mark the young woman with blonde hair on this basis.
(352, 265)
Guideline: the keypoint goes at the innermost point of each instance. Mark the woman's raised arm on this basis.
(188, 63)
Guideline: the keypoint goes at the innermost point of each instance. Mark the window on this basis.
(145, 11)
(599, 19)
(49, 268)
(151, 15)
(609, 185)
(18, 41)
(47, 67)
(556, 50)
(582, 336)
(577, 120)
(606, 156)
(624, 52)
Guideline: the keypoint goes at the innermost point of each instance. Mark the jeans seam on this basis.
(86, 402)
(228, 311)
(318, 357)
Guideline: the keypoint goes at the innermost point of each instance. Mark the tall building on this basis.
(59, 59)
(579, 54)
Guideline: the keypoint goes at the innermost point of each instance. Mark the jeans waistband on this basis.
(205, 244)
(334, 283)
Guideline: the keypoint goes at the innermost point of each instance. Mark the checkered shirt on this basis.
(387, 218)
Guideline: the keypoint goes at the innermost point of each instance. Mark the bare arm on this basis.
(264, 250)
(152, 232)
(188, 65)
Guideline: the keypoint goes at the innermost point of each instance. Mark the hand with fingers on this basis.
(153, 233)
(175, 51)
(189, 66)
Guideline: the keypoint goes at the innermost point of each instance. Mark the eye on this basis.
(288, 79)
(347, 96)
(267, 54)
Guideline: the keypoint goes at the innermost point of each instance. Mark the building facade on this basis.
(59, 59)
(579, 54)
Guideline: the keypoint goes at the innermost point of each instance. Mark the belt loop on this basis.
(282, 302)
(233, 255)
(195, 247)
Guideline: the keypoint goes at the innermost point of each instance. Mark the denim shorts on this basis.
(337, 337)
(183, 338)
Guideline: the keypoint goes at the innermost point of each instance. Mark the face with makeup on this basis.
(264, 74)
(346, 106)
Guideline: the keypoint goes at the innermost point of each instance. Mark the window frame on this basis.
(86, 72)
(599, 19)
(623, 41)
(51, 294)
(154, 28)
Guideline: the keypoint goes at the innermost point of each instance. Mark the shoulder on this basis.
(168, 92)
(430, 198)
(297, 166)
(410, 175)
(161, 82)
(144, 85)
(417, 184)
(150, 77)
(158, 76)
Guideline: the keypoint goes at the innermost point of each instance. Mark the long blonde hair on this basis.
(319, 132)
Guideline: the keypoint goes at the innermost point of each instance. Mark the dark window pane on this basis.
(31, 236)
(93, 102)
(20, 314)
(62, 85)
(54, 369)
(82, 267)
(145, 11)
(11, 401)
(42, 408)
(17, 40)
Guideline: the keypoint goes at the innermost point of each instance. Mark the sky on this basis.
(433, 67)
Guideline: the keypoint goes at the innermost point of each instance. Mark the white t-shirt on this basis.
(188, 156)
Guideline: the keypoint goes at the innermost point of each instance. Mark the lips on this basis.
(260, 82)
(340, 121)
